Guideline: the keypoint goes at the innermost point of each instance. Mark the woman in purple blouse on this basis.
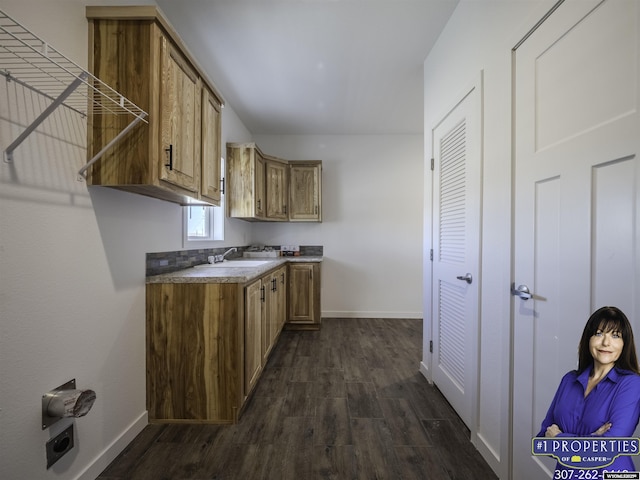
(601, 397)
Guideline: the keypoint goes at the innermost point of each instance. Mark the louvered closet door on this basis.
(456, 227)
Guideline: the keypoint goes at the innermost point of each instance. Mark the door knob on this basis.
(522, 291)
(467, 278)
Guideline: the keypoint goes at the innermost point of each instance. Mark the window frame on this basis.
(215, 222)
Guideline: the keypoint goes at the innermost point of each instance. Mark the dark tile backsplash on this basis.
(311, 250)
(167, 262)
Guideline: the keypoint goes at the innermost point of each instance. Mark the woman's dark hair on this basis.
(609, 319)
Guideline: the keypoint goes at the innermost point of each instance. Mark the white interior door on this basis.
(456, 254)
(577, 191)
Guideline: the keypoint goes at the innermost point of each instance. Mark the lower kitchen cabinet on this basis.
(304, 296)
(207, 344)
(195, 352)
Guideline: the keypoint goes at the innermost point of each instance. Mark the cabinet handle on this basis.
(222, 185)
(274, 284)
(284, 208)
(262, 294)
(316, 209)
(282, 280)
(170, 150)
(259, 204)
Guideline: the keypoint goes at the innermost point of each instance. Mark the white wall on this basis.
(72, 260)
(477, 41)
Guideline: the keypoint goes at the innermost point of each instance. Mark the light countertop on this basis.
(228, 274)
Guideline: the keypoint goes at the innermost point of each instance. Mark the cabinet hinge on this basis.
(431, 254)
(433, 162)
(430, 346)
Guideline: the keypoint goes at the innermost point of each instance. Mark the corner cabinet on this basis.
(304, 309)
(176, 156)
(266, 188)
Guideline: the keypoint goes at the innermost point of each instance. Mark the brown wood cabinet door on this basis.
(282, 285)
(252, 335)
(274, 311)
(278, 302)
(277, 192)
(211, 149)
(180, 105)
(305, 189)
(244, 182)
(269, 314)
(259, 199)
(304, 293)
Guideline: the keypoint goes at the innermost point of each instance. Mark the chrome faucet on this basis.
(220, 258)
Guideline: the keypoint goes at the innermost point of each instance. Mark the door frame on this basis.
(427, 367)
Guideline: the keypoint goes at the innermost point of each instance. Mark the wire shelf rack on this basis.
(31, 62)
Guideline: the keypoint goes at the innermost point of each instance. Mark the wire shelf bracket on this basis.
(31, 62)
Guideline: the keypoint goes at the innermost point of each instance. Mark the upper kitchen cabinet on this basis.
(305, 188)
(176, 156)
(266, 188)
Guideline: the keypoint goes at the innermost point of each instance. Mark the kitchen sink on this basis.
(234, 263)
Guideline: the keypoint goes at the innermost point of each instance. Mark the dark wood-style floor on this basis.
(345, 402)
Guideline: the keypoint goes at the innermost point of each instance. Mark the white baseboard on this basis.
(491, 456)
(107, 456)
(426, 373)
(339, 314)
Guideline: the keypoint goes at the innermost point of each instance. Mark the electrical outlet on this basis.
(59, 445)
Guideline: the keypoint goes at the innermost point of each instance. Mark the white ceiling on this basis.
(315, 66)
